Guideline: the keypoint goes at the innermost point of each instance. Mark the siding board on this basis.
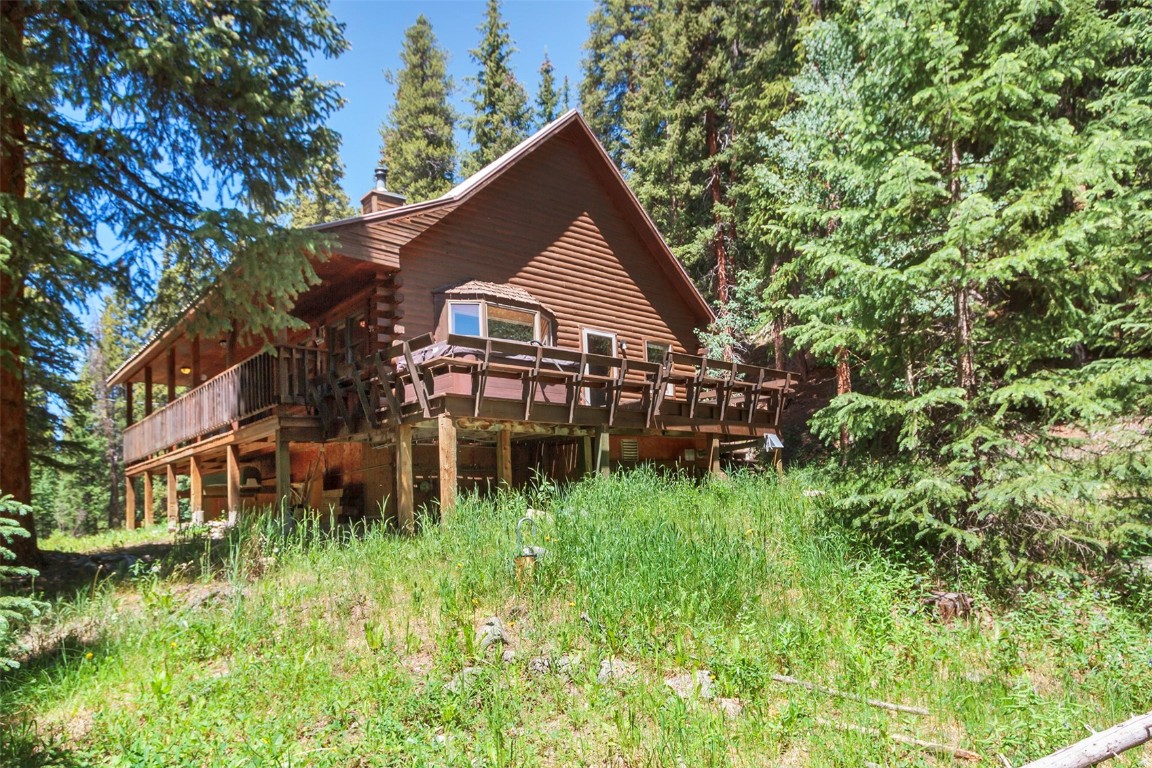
(550, 225)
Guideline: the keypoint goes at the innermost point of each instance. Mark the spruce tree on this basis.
(501, 117)
(547, 100)
(611, 69)
(321, 198)
(970, 210)
(684, 129)
(418, 145)
(123, 117)
(566, 95)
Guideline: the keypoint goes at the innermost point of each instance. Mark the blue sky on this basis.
(375, 29)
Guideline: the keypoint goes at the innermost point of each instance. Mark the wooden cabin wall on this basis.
(550, 226)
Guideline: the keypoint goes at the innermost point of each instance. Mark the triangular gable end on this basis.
(572, 124)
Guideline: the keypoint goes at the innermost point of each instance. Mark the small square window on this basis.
(464, 318)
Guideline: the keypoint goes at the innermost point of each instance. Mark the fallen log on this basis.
(787, 680)
(1100, 746)
(911, 741)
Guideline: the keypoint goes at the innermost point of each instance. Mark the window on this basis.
(513, 324)
(481, 318)
(464, 318)
(654, 351)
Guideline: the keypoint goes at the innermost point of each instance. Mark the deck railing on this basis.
(245, 390)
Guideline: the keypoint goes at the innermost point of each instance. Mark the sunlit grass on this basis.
(308, 649)
(109, 539)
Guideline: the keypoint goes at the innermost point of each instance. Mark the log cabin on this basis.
(531, 320)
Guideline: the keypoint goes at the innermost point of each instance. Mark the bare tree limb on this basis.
(1100, 746)
(787, 680)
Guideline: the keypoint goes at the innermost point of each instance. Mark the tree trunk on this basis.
(1100, 746)
(719, 245)
(843, 387)
(15, 473)
(962, 296)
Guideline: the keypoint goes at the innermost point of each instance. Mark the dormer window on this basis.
(496, 311)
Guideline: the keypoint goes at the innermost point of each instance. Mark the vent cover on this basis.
(629, 450)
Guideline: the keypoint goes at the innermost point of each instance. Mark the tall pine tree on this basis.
(123, 119)
(972, 221)
(697, 61)
(611, 70)
(321, 198)
(547, 100)
(501, 117)
(418, 145)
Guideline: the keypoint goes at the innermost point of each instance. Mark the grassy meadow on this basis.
(304, 649)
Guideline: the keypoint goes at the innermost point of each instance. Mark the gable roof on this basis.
(398, 226)
(570, 123)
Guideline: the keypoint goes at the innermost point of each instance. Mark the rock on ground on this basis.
(490, 633)
(688, 686)
(615, 669)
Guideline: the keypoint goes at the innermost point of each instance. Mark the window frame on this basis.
(541, 325)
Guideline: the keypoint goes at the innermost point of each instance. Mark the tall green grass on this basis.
(290, 645)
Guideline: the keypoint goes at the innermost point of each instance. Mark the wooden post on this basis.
(173, 503)
(196, 361)
(130, 503)
(405, 501)
(283, 475)
(603, 452)
(447, 444)
(148, 500)
(171, 374)
(233, 482)
(147, 389)
(504, 458)
(196, 495)
(587, 457)
(714, 457)
(128, 415)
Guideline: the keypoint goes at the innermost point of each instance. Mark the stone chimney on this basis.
(380, 199)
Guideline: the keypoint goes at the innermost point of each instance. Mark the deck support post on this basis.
(128, 415)
(173, 503)
(196, 495)
(587, 458)
(129, 503)
(603, 454)
(504, 458)
(405, 497)
(147, 390)
(148, 500)
(447, 444)
(232, 479)
(714, 457)
(283, 475)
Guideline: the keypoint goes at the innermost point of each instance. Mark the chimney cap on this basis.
(381, 178)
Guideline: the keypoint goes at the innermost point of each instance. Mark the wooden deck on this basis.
(243, 393)
(472, 377)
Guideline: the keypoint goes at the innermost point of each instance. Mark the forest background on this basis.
(944, 204)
